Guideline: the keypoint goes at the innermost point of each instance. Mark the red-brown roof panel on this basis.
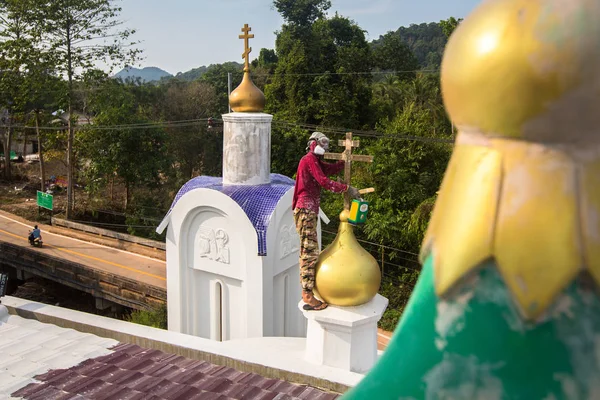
(132, 372)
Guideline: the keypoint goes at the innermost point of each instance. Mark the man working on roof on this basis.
(310, 178)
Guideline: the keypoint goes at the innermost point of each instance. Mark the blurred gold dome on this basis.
(517, 68)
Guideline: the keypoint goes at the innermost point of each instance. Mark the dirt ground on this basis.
(19, 195)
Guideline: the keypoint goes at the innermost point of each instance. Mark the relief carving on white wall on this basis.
(236, 154)
(289, 240)
(213, 244)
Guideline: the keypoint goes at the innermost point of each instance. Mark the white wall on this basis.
(283, 247)
(210, 244)
(205, 246)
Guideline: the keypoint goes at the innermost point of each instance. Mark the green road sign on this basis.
(44, 200)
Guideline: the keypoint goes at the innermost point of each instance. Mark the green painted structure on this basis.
(507, 305)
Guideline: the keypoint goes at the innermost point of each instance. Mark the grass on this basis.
(156, 318)
(398, 295)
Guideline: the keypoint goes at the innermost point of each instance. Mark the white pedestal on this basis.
(344, 337)
(246, 148)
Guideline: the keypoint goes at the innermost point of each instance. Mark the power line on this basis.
(376, 244)
(200, 121)
(162, 124)
(354, 73)
(358, 132)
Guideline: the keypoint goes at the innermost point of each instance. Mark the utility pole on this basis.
(229, 88)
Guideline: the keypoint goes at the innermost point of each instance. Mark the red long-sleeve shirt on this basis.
(311, 177)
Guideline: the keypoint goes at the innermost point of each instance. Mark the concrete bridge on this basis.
(107, 268)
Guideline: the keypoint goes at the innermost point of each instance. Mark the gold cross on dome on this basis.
(247, 49)
(348, 157)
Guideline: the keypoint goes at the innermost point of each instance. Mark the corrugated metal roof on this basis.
(29, 348)
(43, 361)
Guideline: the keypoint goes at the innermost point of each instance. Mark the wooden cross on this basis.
(247, 49)
(348, 157)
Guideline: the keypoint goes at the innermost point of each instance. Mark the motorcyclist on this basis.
(35, 234)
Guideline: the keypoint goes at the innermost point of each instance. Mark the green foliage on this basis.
(404, 174)
(426, 41)
(194, 149)
(397, 293)
(145, 210)
(137, 155)
(156, 318)
(216, 75)
(189, 76)
(267, 60)
(449, 25)
(302, 12)
(417, 224)
(316, 78)
(392, 53)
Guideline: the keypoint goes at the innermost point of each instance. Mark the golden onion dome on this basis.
(525, 69)
(346, 274)
(247, 97)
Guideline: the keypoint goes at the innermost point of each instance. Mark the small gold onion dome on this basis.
(247, 97)
(527, 69)
(346, 274)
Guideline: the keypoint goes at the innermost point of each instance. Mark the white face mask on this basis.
(319, 150)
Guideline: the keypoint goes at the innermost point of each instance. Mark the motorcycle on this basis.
(37, 242)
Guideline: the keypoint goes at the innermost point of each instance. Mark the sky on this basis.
(178, 35)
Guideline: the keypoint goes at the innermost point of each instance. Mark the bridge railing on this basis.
(108, 233)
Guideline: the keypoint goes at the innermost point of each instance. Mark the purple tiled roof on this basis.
(258, 202)
(136, 373)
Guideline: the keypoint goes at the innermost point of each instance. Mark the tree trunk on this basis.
(2, 143)
(26, 136)
(40, 151)
(9, 131)
(127, 194)
(111, 188)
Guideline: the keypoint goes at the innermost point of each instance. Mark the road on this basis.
(119, 262)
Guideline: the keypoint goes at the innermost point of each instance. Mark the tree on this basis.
(195, 149)
(302, 13)
(405, 173)
(216, 75)
(391, 53)
(28, 81)
(79, 34)
(449, 25)
(136, 154)
(319, 79)
(267, 59)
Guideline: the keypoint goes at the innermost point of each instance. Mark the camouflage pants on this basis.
(306, 226)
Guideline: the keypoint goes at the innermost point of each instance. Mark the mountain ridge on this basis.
(146, 74)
